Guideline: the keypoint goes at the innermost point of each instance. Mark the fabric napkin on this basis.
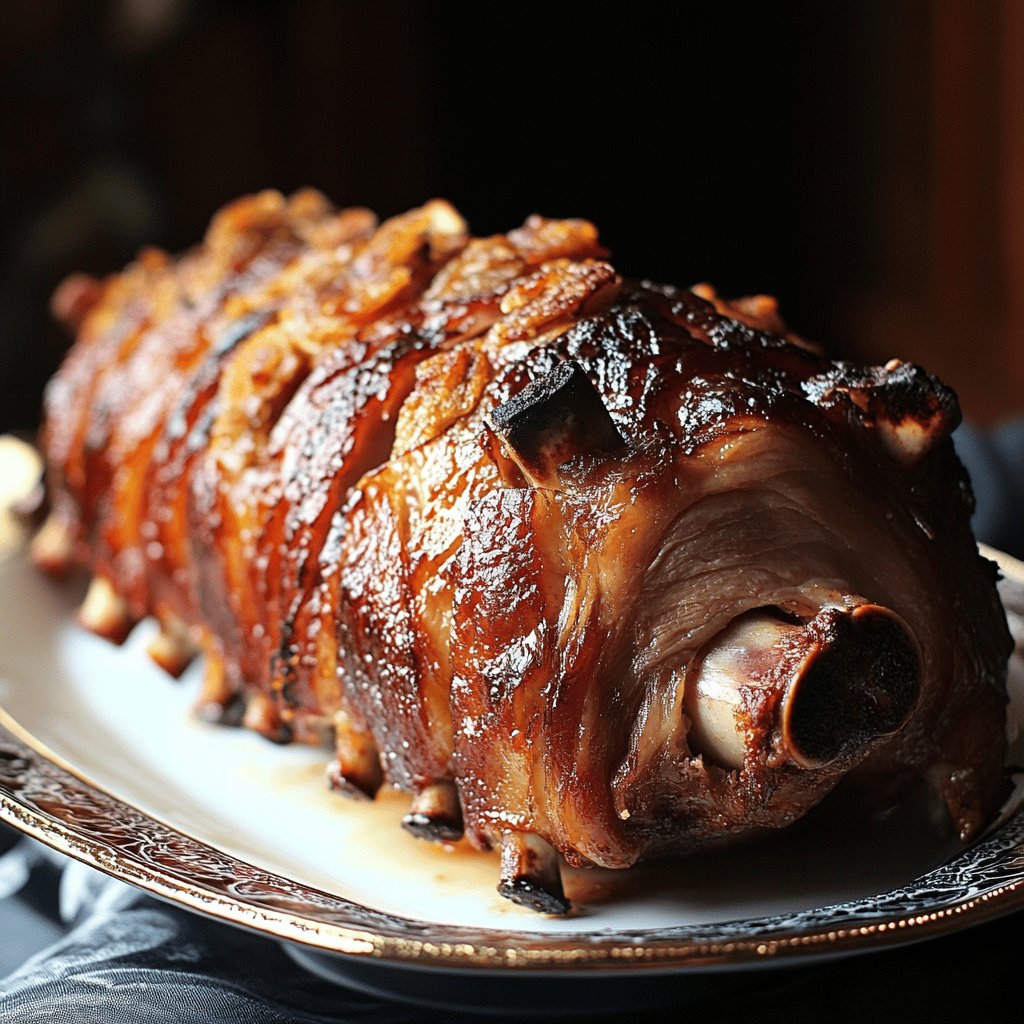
(125, 958)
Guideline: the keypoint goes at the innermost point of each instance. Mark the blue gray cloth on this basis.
(117, 956)
(85, 949)
(995, 460)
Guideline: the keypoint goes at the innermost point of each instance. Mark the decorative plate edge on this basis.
(48, 799)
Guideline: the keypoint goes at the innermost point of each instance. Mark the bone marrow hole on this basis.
(860, 681)
(843, 679)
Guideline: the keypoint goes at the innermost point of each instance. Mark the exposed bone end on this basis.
(262, 716)
(435, 813)
(531, 874)
(848, 677)
(53, 547)
(712, 705)
(860, 680)
(219, 703)
(228, 712)
(22, 494)
(355, 771)
(104, 612)
(912, 412)
(30, 509)
(349, 785)
(552, 420)
(908, 439)
(172, 648)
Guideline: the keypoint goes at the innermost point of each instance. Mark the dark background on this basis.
(861, 159)
(864, 161)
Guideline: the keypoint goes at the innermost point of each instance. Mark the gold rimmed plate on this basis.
(101, 758)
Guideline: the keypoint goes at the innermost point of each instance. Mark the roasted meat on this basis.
(593, 568)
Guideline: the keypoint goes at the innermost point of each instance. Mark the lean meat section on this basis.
(594, 569)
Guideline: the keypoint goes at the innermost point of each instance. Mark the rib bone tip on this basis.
(262, 716)
(355, 785)
(172, 648)
(554, 419)
(435, 813)
(356, 770)
(531, 874)
(860, 685)
(52, 548)
(534, 897)
(104, 612)
(228, 711)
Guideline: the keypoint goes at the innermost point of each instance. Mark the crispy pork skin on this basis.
(596, 570)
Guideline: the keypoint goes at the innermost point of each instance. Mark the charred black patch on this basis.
(556, 418)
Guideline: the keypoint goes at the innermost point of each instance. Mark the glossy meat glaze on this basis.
(586, 565)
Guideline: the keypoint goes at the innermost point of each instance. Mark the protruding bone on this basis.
(911, 412)
(53, 547)
(21, 477)
(844, 679)
(435, 813)
(910, 438)
(219, 703)
(173, 647)
(21, 491)
(356, 770)
(531, 874)
(262, 716)
(105, 612)
(553, 419)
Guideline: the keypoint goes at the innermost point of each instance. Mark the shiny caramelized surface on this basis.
(285, 440)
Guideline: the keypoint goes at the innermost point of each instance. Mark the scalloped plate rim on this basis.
(497, 952)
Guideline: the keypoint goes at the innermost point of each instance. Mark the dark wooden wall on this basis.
(948, 199)
(862, 159)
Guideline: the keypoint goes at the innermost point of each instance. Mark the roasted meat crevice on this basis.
(596, 570)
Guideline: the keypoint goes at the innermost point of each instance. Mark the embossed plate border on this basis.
(48, 799)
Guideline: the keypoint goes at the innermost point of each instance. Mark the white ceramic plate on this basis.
(100, 757)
